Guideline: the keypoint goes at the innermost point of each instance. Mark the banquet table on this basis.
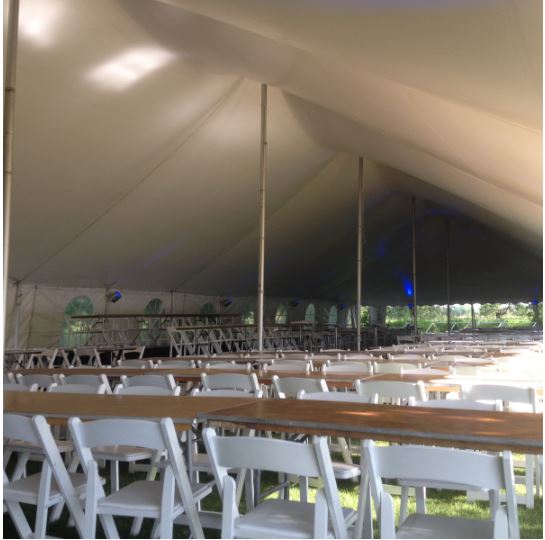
(477, 430)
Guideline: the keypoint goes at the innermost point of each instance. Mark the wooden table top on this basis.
(478, 430)
(183, 410)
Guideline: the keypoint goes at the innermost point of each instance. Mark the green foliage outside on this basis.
(434, 318)
(74, 333)
(365, 318)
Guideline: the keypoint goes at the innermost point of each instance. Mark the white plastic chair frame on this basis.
(392, 367)
(509, 396)
(94, 380)
(77, 388)
(231, 381)
(16, 387)
(311, 460)
(301, 366)
(43, 381)
(136, 363)
(178, 364)
(46, 489)
(228, 365)
(162, 381)
(396, 391)
(289, 387)
(146, 391)
(348, 367)
(435, 465)
(157, 436)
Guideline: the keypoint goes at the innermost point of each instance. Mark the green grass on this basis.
(443, 502)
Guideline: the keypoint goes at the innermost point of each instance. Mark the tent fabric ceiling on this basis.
(137, 145)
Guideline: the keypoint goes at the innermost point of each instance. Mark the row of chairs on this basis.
(167, 500)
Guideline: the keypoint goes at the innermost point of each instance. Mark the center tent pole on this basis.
(415, 309)
(448, 275)
(359, 258)
(262, 200)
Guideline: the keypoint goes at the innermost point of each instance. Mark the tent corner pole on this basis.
(359, 257)
(262, 202)
(9, 123)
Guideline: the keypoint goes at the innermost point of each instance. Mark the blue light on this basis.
(407, 286)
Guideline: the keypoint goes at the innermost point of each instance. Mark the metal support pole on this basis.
(18, 300)
(359, 262)
(262, 200)
(473, 320)
(447, 256)
(9, 121)
(415, 309)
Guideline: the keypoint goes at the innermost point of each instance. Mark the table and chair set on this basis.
(195, 431)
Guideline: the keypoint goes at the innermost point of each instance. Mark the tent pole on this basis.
(17, 314)
(359, 258)
(448, 274)
(262, 200)
(9, 121)
(415, 309)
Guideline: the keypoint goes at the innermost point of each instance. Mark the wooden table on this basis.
(60, 407)
(478, 430)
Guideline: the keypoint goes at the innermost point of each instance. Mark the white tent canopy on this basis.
(137, 146)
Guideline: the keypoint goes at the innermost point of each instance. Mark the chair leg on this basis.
(404, 504)
(420, 493)
(114, 476)
(303, 489)
(20, 467)
(529, 477)
(19, 519)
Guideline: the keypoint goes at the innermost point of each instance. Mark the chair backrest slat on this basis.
(289, 387)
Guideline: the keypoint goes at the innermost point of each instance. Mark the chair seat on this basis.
(426, 526)
(23, 446)
(201, 462)
(122, 453)
(25, 490)
(439, 485)
(296, 519)
(143, 498)
(345, 471)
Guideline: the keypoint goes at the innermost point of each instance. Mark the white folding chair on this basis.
(392, 367)
(136, 363)
(289, 387)
(514, 399)
(93, 380)
(77, 388)
(43, 381)
(277, 518)
(365, 368)
(86, 352)
(9, 378)
(146, 391)
(160, 500)
(396, 392)
(231, 381)
(51, 487)
(434, 465)
(346, 470)
(300, 366)
(420, 488)
(16, 387)
(177, 364)
(162, 381)
(228, 365)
